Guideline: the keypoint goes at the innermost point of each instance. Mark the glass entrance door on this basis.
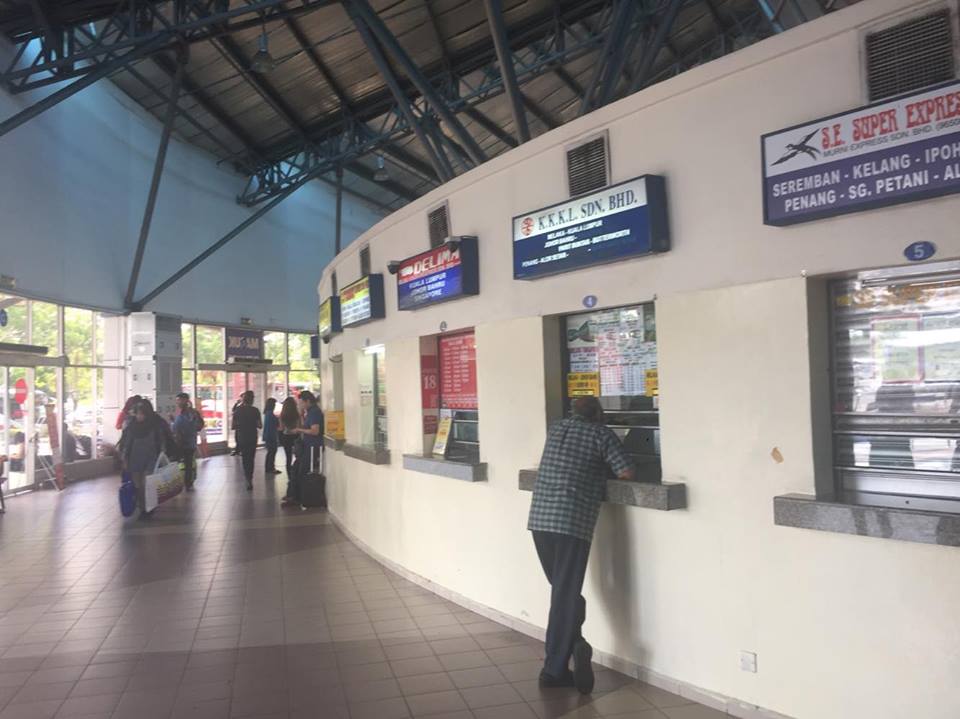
(18, 429)
(237, 384)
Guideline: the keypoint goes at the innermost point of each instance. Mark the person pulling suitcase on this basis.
(310, 447)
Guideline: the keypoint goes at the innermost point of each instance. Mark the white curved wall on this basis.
(73, 185)
(844, 626)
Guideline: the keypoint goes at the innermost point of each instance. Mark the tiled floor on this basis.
(225, 606)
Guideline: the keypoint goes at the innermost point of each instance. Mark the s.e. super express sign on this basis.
(441, 274)
(887, 153)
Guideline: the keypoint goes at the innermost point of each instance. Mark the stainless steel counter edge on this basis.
(907, 525)
(664, 496)
(446, 468)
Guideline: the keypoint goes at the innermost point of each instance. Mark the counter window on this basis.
(896, 390)
(451, 416)
(612, 354)
(372, 377)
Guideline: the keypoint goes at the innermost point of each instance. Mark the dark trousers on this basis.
(189, 476)
(271, 456)
(247, 452)
(288, 441)
(564, 561)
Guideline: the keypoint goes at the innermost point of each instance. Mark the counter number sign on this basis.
(920, 251)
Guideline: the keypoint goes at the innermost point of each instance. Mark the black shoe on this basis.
(582, 669)
(548, 681)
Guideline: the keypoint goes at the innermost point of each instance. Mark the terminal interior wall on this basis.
(843, 626)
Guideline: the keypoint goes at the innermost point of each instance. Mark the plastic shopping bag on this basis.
(165, 483)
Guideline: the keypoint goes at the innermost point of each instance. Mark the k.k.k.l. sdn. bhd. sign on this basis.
(247, 344)
(622, 221)
(891, 152)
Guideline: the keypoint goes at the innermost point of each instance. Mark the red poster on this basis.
(430, 392)
(458, 371)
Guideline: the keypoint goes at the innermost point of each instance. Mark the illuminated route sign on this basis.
(616, 223)
(891, 152)
(329, 319)
(441, 274)
(362, 301)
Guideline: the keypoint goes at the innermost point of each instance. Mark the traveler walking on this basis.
(571, 484)
(270, 431)
(186, 427)
(248, 426)
(143, 440)
(233, 423)
(309, 448)
(289, 421)
(125, 416)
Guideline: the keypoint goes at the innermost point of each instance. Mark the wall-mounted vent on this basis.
(909, 56)
(587, 166)
(438, 223)
(364, 261)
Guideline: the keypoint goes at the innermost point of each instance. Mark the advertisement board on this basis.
(329, 317)
(439, 275)
(882, 154)
(333, 421)
(619, 222)
(458, 371)
(362, 301)
(244, 343)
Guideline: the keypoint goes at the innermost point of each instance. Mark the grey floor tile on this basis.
(425, 704)
(508, 711)
(493, 695)
(659, 697)
(477, 677)
(465, 660)
(425, 684)
(690, 711)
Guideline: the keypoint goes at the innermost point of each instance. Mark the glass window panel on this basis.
(45, 331)
(44, 393)
(210, 400)
(299, 349)
(612, 354)
(210, 349)
(78, 335)
(15, 421)
(80, 410)
(275, 347)
(186, 342)
(300, 381)
(15, 330)
(277, 386)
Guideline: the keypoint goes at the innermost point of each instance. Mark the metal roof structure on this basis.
(288, 91)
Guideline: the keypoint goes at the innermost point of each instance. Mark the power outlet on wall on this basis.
(748, 661)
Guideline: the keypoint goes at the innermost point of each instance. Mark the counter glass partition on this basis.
(612, 354)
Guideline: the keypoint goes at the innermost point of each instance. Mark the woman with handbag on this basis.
(143, 440)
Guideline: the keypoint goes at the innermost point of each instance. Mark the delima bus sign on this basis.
(619, 222)
(443, 273)
(883, 154)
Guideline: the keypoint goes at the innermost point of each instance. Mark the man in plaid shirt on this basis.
(571, 484)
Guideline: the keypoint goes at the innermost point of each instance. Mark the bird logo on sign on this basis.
(526, 226)
(795, 149)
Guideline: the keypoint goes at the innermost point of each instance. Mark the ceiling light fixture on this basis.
(381, 175)
(263, 61)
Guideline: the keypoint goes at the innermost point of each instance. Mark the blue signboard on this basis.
(438, 275)
(247, 344)
(883, 154)
(619, 222)
(920, 251)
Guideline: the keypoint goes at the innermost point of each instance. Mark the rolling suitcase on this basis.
(313, 486)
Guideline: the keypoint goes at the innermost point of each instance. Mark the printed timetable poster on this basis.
(887, 153)
(617, 223)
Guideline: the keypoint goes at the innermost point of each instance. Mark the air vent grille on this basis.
(439, 225)
(587, 167)
(910, 56)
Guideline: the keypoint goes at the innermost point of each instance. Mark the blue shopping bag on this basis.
(127, 495)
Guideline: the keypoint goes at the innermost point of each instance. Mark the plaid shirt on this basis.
(572, 479)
